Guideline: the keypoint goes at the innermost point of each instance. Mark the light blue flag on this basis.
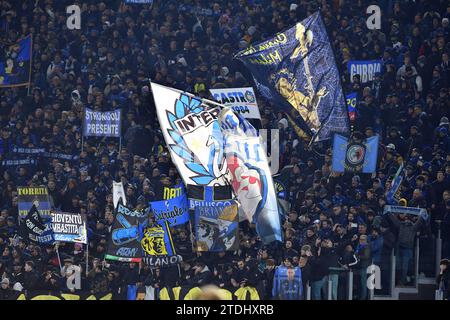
(250, 176)
(353, 156)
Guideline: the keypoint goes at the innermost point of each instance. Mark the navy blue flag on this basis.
(296, 70)
(350, 155)
(35, 229)
(101, 124)
(175, 210)
(15, 63)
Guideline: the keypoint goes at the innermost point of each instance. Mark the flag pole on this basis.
(59, 259)
(87, 258)
(193, 96)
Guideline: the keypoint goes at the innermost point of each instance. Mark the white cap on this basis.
(293, 7)
(391, 146)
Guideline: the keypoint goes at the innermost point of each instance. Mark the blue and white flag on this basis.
(249, 175)
(175, 211)
(216, 218)
(296, 71)
(350, 155)
(365, 68)
(102, 124)
(192, 135)
(69, 227)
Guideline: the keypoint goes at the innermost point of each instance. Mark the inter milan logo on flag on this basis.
(354, 158)
(355, 155)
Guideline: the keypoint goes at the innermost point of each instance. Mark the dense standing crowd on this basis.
(336, 222)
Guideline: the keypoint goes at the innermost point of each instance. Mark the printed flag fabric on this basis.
(216, 219)
(156, 239)
(175, 211)
(124, 241)
(350, 155)
(102, 124)
(69, 227)
(366, 69)
(35, 229)
(15, 63)
(192, 135)
(297, 72)
(33, 195)
(249, 175)
(241, 100)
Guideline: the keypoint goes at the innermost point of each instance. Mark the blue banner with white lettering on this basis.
(351, 155)
(175, 210)
(366, 69)
(297, 72)
(102, 124)
(351, 105)
(15, 63)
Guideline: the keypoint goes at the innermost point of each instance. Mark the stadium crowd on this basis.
(336, 222)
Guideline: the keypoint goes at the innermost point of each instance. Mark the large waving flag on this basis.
(296, 70)
(250, 175)
(15, 63)
(192, 134)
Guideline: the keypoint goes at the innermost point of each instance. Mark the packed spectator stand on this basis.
(336, 224)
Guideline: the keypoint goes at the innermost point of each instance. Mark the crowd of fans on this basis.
(336, 222)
